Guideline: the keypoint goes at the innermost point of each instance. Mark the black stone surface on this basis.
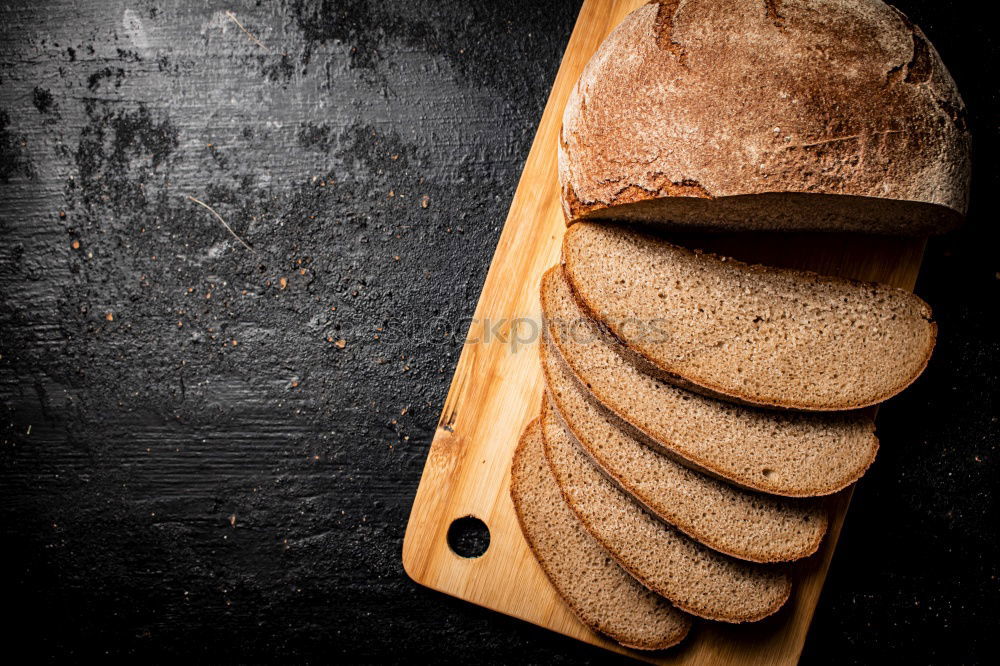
(192, 466)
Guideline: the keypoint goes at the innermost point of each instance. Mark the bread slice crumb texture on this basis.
(599, 592)
(754, 334)
(743, 524)
(696, 579)
(780, 452)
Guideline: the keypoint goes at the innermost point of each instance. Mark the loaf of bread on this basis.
(599, 592)
(746, 525)
(748, 333)
(694, 578)
(798, 114)
(698, 407)
(784, 453)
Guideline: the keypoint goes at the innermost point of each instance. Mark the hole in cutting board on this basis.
(468, 537)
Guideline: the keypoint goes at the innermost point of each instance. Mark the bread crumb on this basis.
(340, 344)
(283, 282)
(425, 201)
(109, 317)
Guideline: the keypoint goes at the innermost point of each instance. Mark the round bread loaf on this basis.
(773, 114)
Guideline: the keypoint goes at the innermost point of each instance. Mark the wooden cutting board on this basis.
(498, 385)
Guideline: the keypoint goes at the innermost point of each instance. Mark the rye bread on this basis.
(746, 525)
(597, 590)
(780, 452)
(748, 333)
(696, 579)
(792, 115)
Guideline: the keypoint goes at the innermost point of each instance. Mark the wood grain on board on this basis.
(498, 385)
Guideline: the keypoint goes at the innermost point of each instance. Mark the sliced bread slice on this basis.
(743, 524)
(784, 453)
(748, 333)
(694, 578)
(598, 591)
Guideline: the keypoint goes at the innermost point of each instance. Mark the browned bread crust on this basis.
(779, 114)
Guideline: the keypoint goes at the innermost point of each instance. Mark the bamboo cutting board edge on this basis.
(497, 389)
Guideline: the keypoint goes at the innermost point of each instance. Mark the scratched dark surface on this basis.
(209, 452)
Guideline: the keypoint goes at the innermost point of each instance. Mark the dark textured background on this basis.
(190, 467)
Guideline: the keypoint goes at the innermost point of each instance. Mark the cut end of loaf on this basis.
(770, 211)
